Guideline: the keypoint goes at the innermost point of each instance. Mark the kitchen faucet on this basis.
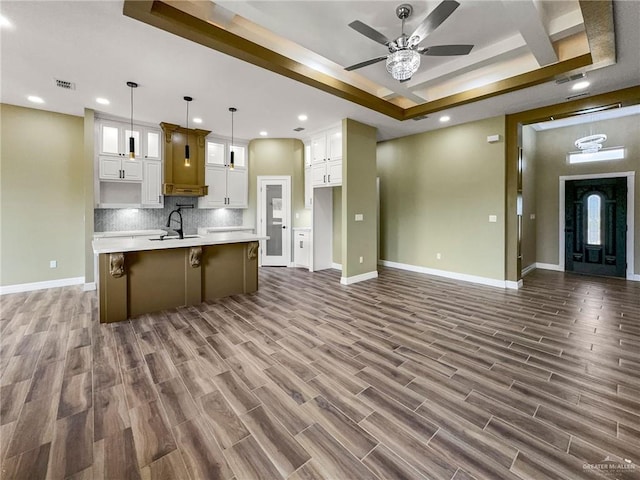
(179, 231)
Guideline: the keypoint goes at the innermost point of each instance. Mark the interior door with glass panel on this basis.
(274, 218)
(595, 226)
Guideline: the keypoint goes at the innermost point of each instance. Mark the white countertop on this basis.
(133, 244)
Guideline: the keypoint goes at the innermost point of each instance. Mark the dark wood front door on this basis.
(596, 226)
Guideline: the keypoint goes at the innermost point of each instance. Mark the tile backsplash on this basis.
(118, 219)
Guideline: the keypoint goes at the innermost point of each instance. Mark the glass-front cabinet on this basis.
(122, 181)
(114, 140)
(228, 184)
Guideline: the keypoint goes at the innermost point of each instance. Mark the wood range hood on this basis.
(179, 179)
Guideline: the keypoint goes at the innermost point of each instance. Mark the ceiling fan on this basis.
(403, 59)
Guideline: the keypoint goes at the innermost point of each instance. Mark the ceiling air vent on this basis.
(570, 78)
(579, 95)
(66, 85)
(299, 129)
(421, 117)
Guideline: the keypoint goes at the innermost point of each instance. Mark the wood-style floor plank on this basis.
(404, 376)
(202, 455)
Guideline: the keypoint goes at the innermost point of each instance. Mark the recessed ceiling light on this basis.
(580, 85)
(4, 22)
(445, 118)
(197, 120)
(102, 101)
(34, 99)
(263, 133)
(302, 117)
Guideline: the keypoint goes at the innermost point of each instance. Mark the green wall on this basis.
(278, 157)
(551, 150)
(42, 203)
(89, 149)
(359, 196)
(528, 244)
(337, 225)
(437, 190)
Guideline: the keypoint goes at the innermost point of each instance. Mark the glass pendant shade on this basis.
(402, 64)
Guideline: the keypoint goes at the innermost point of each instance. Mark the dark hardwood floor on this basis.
(403, 377)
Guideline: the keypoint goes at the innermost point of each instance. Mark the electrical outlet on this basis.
(297, 215)
(359, 217)
(493, 218)
(361, 259)
(53, 264)
(438, 256)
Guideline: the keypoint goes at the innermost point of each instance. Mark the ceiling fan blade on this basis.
(369, 32)
(364, 64)
(434, 20)
(445, 50)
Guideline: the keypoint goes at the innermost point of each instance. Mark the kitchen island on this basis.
(140, 275)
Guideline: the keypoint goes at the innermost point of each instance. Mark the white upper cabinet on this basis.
(122, 181)
(216, 153)
(152, 184)
(326, 158)
(334, 172)
(334, 144)
(237, 188)
(228, 187)
(119, 169)
(319, 149)
(114, 140)
(239, 156)
(308, 188)
(152, 145)
(307, 155)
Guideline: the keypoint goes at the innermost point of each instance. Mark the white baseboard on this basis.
(28, 287)
(529, 269)
(549, 266)
(336, 266)
(491, 282)
(88, 287)
(359, 278)
(513, 285)
(633, 278)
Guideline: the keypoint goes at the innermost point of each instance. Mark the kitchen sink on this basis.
(174, 237)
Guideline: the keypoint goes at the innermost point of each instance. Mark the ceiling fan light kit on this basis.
(403, 59)
(402, 64)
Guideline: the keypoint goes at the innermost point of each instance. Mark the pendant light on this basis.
(132, 141)
(187, 160)
(231, 161)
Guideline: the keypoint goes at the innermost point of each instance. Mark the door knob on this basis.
(283, 227)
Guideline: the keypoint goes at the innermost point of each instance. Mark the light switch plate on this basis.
(532, 216)
(359, 217)
(53, 264)
(493, 218)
